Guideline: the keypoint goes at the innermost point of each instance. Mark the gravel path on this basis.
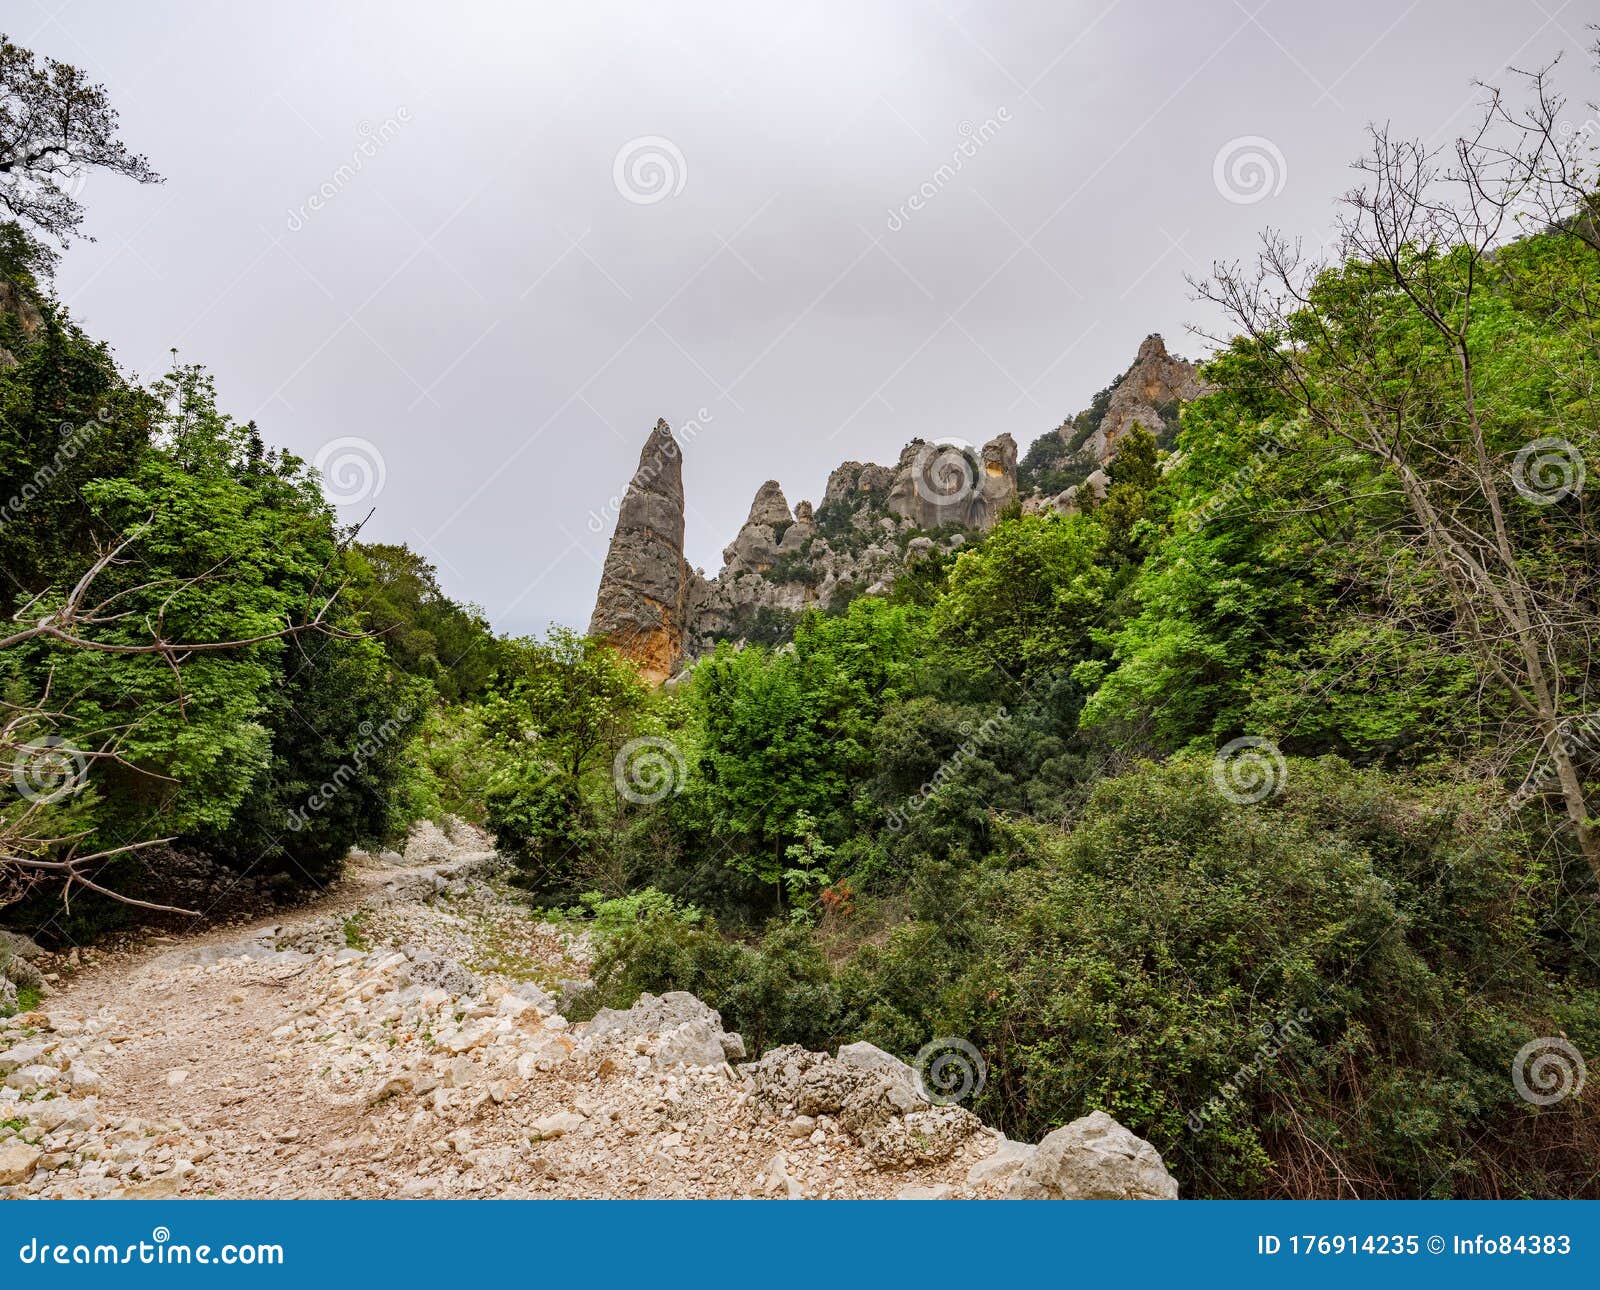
(399, 1038)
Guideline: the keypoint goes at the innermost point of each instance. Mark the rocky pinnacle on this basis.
(640, 606)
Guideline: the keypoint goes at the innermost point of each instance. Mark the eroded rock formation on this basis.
(872, 523)
(1148, 393)
(640, 606)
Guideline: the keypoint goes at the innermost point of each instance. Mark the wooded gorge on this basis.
(1255, 802)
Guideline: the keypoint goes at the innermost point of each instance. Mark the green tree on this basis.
(1026, 599)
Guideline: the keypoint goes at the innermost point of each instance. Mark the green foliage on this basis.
(785, 737)
(1025, 600)
(1050, 466)
(274, 755)
(557, 715)
(608, 918)
(426, 633)
(1331, 943)
(777, 990)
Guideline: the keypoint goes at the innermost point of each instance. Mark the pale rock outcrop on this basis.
(780, 564)
(1007, 1159)
(1093, 1158)
(948, 482)
(20, 304)
(758, 541)
(643, 589)
(17, 970)
(1156, 379)
(875, 1103)
(18, 1160)
(671, 1029)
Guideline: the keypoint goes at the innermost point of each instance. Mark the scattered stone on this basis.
(18, 1160)
(558, 1125)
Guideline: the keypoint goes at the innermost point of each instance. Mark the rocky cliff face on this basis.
(20, 319)
(872, 523)
(640, 606)
(1149, 394)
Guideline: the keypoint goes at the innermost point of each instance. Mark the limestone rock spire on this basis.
(639, 610)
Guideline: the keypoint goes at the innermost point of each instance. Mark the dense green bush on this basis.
(1340, 936)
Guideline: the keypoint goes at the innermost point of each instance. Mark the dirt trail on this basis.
(399, 1038)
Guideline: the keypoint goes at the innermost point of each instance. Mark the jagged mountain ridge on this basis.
(873, 521)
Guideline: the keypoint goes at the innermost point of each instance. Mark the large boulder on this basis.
(674, 1028)
(868, 1057)
(872, 1095)
(1093, 1158)
(427, 970)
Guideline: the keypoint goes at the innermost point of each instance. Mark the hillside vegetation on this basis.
(1253, 804)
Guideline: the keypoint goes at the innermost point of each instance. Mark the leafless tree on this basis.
(1386, 349)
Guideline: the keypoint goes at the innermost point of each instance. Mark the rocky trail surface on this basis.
(402, 1037)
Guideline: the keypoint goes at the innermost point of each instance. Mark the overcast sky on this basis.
(479, 248)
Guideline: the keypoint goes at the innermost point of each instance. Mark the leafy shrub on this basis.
(1287, 998)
